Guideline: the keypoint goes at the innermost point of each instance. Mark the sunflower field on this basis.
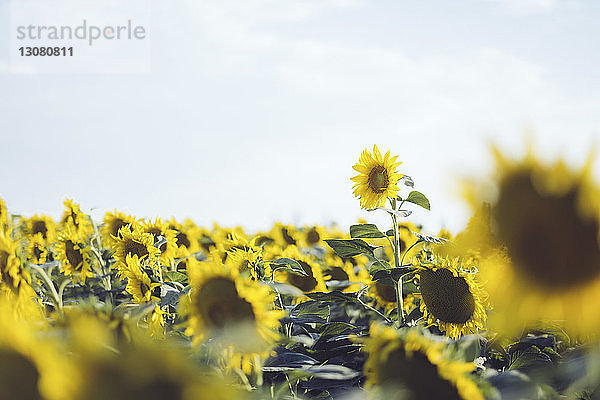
(130, 308)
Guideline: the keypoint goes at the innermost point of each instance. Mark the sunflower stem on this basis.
(396, 248)
(50, 285)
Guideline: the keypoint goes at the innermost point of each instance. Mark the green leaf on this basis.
(351, 247)
(407, 180)
(378, 265)
(311, 307)
(176, 276)
(391, 275)
(335, 328)
(368, 231)
(289, 265)
(430, 239)
(334, 296)
(419, 199)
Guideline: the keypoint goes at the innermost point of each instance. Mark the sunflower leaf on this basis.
(390, 276)
(331, 371)
(351, 247)
(378, 265)
(419, 199)
(367, 231)
(430, 239)
(311, 307)
(176, 276)
(289, 265)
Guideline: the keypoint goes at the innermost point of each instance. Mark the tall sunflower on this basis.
(233, 311)
(451, 298)
(74, 254)
(414, 365)
(376, 179)
(547, 220)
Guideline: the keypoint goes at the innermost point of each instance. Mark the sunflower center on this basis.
(447, 297)
(131, 247)
(115, 225)
(18, 376)
(338, 274)
(547, 238)
(378, 179)
(220, 304)
(287, 237)
(37, 253)
(417, 374)
(387, 293)
(39, 226)
(183, 240)
(73, 255)
(156, 232)
(312, 236)
(304, 283)
(3, 260)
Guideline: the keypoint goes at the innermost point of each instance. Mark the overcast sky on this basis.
(256, 110)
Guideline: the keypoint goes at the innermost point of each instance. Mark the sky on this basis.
(253, 111)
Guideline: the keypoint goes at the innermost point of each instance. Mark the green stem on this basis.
(50, 285)
(407, 250)
(399, 305)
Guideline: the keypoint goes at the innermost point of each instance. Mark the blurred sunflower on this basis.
(311, 236)
(234, 312)
(139, 284)
(74, 255)
(376, 179)
(14, 276)
(284, 235)
(410, 365)
(43, 225)
(31, 367)
(3, 215)
(186, 238)
(121, 370)
(451, 299)
(384, 296)
(113, 221)
(168, 249)
(37, 252)
(313, 282)
(134, 243)
(74, 217)
(547, 218)
(343, 271)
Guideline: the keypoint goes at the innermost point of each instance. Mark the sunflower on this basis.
(43, 225)
(312, 236)
(313, 282)
(76, 219)
(412, 365)
(113, 221)
(75, 256)
(139, 285)
(384, 295)
(376, 179)
(31, 366)
(37, 252)
(234, 312)
(186, 238)
(14, 276)
(3, 215)
(546, 219)
(343, 271)
(134, 243)
(168, 249)
(451, 298)
(108, 368)
(284, 235)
